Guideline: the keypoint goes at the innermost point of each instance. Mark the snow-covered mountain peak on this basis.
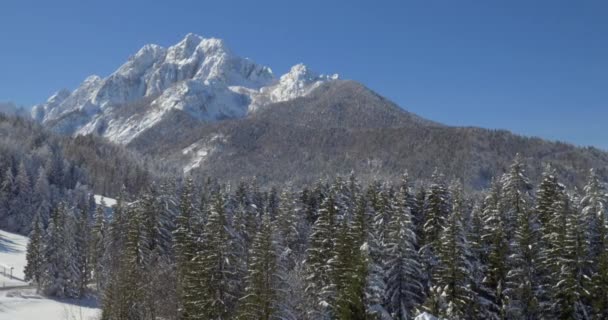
(200, 76)
(299, 81)
(58, 97)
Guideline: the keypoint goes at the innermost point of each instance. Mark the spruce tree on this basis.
(453, 275)
(320, 251)
(98, 245)
(403, 269)
(568, 261)
(35, 248)
(261, 296)
(494, 238)
(217, 265)
(523, 286)
(54, 278)
(593, 206)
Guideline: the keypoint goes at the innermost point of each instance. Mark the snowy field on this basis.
(23, 303)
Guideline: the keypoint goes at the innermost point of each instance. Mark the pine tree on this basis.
(262, 281)
(21, 205)
(98, 245)
(593, 206)
(373, 256)
(523, 278)
(35, 248)
(134, 261)
(54, 278)
(81, 254)
(436, 210)
(552, 218)
(348, 273)
(483, 306)
(42, 196)
(568, 259)
(288, 224)
(186, 249)
(516, 199)
(217, 265)
(453, 274)
(321, 247)
(494, 238)
(404, 290)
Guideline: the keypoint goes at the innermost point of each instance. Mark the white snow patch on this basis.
(426, 316)
(109, 202)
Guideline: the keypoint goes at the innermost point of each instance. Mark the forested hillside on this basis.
(336, 250)
(39, 169)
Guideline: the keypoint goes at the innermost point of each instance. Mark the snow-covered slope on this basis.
(24, 303)
(12, 253)
(199, 76)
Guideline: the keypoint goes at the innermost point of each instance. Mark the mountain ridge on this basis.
(199, 75)
(199, 106)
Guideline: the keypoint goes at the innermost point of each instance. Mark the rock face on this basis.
(199, 76)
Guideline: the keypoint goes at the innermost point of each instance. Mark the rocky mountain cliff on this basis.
(199, 76)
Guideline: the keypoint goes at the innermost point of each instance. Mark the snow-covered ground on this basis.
(12, 253)
(24, 303)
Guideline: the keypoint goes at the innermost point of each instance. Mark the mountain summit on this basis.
(200, 76)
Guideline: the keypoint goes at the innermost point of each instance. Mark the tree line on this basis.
(335, 250)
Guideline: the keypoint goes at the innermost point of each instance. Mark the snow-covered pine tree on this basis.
(186, 250)
(289, 224)
(21, 205)
(437, 208)
(217, 265)
(373, 256)
(54, 278)
(567, 258)
(81, 254)
(35, 248)
(6, 193)
(418, 216)
(494, 239)
(42, 196)
(349, 273)
(523, 285)
(261, 299)
(98, 245)
(516, 196)
(593, 205)
(404, 290)
(114, 306)
(320, 251)
(123, 295)
(483, 306)
(551, 218)
(453, 275)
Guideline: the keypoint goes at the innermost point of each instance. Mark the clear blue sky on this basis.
(533, 67)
